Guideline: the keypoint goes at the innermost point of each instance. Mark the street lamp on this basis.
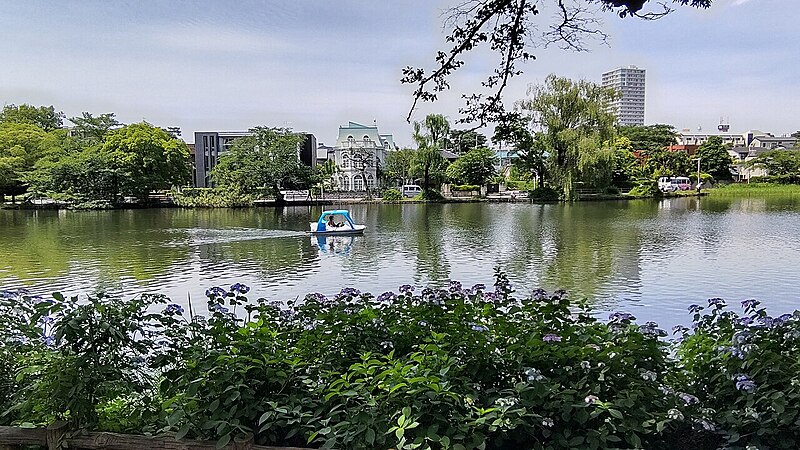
(698, 173)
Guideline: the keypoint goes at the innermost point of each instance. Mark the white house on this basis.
(360, 150)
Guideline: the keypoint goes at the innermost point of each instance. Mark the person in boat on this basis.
(333, 224)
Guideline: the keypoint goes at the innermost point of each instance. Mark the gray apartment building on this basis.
(210, 145)
(629, 82)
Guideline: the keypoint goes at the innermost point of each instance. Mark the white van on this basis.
(411, 190)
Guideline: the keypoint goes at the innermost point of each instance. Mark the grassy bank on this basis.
(755, 189)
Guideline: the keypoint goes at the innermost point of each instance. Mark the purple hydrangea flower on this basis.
(455, 286)
(651, 329)
(478, 287)
(745, 321)
(47, 320)
(689, 399)
(173, 308)
(767, 321)
(551, 338)
(716, 301)
(406, 289)
(317, 296)
(749, 304)
(350, 291)
(48, 340)
(744, 383)
(620, 317)
(387, 297)
(695, 309)
(240, 288)
(216, 292)
(539, 294)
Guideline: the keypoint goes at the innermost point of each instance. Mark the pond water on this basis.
(651, 258)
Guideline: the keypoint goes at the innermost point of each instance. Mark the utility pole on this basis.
(698, 174)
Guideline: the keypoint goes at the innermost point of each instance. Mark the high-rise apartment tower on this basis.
(629, 84)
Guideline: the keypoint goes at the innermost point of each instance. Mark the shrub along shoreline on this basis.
(456, 368)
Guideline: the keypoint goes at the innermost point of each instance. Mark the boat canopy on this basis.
(321, 225)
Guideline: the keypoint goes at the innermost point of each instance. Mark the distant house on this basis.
(325, 153)
(360, 150)
(209, 146)
(448, 155)
(505, 158)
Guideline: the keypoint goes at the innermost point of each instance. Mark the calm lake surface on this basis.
(651, 258)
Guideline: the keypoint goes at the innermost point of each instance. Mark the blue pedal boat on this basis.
(335, 222)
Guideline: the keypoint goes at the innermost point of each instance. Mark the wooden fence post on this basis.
(56, 435)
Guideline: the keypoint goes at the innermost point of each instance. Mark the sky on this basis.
(314, 65)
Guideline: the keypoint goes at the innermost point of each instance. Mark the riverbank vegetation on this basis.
(454, 368)
(98, 160)
(754, 189)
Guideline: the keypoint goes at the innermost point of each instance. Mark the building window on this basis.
(345, 161)
(345, 183)
(370, 182)
(358, 183)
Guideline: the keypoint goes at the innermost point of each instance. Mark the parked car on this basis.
(411, 190)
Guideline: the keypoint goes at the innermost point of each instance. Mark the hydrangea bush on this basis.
(460, 367)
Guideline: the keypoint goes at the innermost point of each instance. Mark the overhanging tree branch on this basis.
(509, 28)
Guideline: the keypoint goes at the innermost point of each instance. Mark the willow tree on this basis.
(571, 120)
(428, 162)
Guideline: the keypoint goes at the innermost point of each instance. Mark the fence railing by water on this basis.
(58, 436)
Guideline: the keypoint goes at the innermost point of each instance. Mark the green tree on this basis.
(143, 158)
(20, 148)
(781, 165)
(267, 158)
(665, 163)
(514, 129)
(462, 141)
(92, 129)
(428, 162)
(322, 175)
(626, 166)
(44, 117)
(576, 130)
(715, 159)
(649, 137)
(474, 167)
(398, 167)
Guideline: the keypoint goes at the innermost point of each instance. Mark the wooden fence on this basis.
(59, 437)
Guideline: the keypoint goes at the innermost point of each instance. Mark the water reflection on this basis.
(651, 256)
(333, 245)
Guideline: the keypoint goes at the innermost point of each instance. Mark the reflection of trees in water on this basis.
(582, 258)
(529, 235)
(111, 245)
(583, 248)
(32, 245)
(427, 239)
